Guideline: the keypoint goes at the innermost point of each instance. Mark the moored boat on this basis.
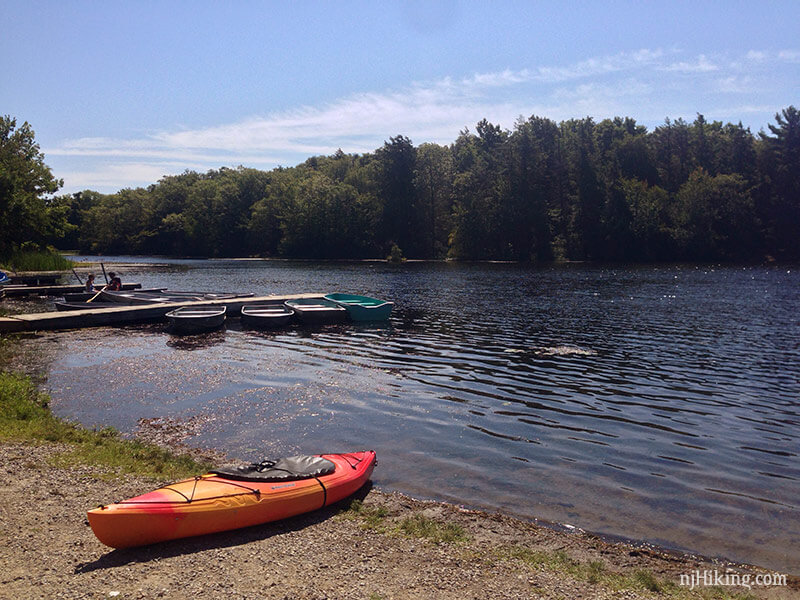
(165, 296)
(84, 296)
(63, 306)
(232, 497)
(196, 319)
(267, 315)
(362, 308)
(317, 311)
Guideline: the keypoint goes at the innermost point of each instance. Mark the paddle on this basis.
(97, 294)
(102, 266)
(76, 277)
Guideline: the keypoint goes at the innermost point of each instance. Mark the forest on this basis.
(544, 191)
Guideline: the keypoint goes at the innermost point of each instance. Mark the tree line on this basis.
(575, 190)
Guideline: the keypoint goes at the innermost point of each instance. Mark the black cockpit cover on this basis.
(282, 469)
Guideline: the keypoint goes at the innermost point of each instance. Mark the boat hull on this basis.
(166, 296)
(362, 308)
(198, 319)
(267, 316)
(317, 311)
(222, 504)
(66, 306)
(84, 296)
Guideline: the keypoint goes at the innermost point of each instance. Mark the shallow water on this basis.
(657, 403)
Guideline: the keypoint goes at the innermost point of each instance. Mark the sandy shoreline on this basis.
(49, 551)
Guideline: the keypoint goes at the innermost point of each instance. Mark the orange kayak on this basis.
(231, 498)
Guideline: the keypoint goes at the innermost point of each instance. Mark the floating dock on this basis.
(124, 314)
(11, 291)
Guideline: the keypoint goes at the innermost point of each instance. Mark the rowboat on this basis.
(196, 319)
(165, 296)
(315, 311)
(362, 308)
(4, 279)
(268, 315)
(232, 497)
(84, 296)
(63, 306)
(54, 290)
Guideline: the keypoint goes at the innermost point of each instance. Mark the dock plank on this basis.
(124, 314)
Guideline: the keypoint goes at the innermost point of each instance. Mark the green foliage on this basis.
(779, 188)
(713, 217)
(28, 212)
(37, 260)
(399, 219)
(25, 416)
(574, 190)
(395, 254)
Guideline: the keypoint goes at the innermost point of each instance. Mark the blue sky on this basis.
(122, 93)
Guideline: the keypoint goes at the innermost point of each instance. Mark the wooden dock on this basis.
(124, 314)
(11, 291)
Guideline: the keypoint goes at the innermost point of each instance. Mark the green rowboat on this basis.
(362, 308)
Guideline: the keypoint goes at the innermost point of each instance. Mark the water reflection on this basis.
(657, 403)
(195, 341)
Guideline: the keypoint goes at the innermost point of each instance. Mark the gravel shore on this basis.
(49, 551)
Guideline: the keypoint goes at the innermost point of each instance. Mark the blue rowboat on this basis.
(362, 308)
(4, 279)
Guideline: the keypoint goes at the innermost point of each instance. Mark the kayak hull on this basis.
(213, 503)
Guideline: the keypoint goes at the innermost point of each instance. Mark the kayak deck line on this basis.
(249, 491)
(137, 313)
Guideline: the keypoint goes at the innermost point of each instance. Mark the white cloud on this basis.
(623, 61)
(756, 56)
(735, 84)
(502, 78)
(700, 65)
(646, 84)
(792, 56)
(113, 177)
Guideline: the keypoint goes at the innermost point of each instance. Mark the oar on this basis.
(76, 277)
(97, 294)
(102, 266)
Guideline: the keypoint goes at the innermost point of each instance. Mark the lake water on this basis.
(658, 403)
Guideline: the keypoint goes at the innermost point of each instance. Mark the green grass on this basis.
(371, 517)
(595, 572)
(416, 525)
(25, 417)
(37, 260)
(420, 526)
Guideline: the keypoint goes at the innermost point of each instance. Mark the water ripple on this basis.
(656, 403)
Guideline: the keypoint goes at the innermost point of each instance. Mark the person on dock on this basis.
(114, 283)
(89, 285)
